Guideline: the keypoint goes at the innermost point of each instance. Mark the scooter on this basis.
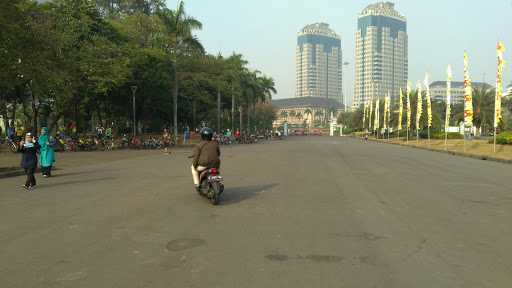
(212, 185)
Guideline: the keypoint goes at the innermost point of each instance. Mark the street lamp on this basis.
(345, 64)
(134, 90)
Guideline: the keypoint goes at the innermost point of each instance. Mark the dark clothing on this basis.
(31, 179)
(47, 171)
(29, 157)
(207, 154)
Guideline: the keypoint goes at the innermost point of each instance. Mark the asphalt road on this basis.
(305, 212)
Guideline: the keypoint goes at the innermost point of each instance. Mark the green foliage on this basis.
(504, 138)
(81, 57)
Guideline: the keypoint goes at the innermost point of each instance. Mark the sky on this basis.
(265, 32)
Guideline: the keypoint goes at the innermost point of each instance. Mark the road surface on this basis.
(305, 212)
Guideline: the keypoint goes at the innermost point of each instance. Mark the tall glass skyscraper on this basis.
(381, 53)
(319, 63)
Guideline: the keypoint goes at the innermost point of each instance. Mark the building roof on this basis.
(382, 9)
(306, 102)
(319, 29)
(460, 85)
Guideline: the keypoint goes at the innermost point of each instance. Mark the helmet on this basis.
(207, 134)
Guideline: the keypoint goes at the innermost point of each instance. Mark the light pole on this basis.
(134, 90)
(345, 64)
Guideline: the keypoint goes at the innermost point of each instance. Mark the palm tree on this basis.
(299, 116)
(181, 41)
(293, 114)
(483, 103)
(308, 113)
(284, 115)
(318, 115)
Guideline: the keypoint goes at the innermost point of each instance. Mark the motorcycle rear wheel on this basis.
(214, 193)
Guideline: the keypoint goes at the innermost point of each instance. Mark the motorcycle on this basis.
(12, 144)
(212, 185)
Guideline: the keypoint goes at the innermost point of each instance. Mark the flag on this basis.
(419, 109)
(448, 97)
(500, 49)
(429, 102)
(388, 110)
(376, 125)
(370, 107)
(364, 115)
(384, 121)
(400, 110)
(468, 95)
(409, 112)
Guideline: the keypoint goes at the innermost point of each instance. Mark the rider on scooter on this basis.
(206, 155)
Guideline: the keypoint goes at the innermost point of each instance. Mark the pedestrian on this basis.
(186, 136)
(46, 153)
(166, 138)
(29, 149)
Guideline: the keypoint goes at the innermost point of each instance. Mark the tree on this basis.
(483, 103)
(180, 41)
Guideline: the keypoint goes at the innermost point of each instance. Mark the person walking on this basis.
(29, 149)
(186, 136)
(166, 139)
(47, 154)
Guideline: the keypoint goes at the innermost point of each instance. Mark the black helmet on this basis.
(206, 134)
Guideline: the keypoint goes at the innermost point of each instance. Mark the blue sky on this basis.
(265, 32)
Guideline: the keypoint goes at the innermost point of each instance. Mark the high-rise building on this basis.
(381, 53)
(319, 63)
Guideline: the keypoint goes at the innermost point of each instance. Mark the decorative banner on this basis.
(448, 97)
(370, 115)
(388, 116)
(400, 110)
(385, 120)
(419, 109)
(468, 95)
(377, 115)
(429, 102)
(409, 112)
(499, 85)
(364, 115)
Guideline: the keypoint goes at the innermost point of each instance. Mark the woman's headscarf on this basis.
(43, 139)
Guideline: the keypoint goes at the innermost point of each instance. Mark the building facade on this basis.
(319, 63)
(305, 111)
(381, 53)
(438, 90)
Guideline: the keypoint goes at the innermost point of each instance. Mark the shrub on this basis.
(504, 138)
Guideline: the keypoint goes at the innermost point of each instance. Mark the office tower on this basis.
(381, 53)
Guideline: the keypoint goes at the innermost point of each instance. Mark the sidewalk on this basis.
(479, 149)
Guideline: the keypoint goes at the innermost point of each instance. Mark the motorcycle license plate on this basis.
(216, 178)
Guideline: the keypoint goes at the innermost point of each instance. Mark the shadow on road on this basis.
(76, 182)
(239, 194)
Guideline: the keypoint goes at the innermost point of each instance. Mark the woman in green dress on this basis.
(47, 154)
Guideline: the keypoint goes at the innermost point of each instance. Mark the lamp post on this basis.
(345, 64)
(134, 90)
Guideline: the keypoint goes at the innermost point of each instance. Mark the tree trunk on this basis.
(218, 111)
(176, 91)
(241, 118)
(232, 110)
(248, 118)
(194, 111)
(35, 114)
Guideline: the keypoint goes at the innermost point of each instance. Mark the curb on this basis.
(454, 153)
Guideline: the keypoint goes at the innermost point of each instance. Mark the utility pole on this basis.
(218, 111)
(232, 109)
(134, 90)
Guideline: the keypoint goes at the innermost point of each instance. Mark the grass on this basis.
(480, 148)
